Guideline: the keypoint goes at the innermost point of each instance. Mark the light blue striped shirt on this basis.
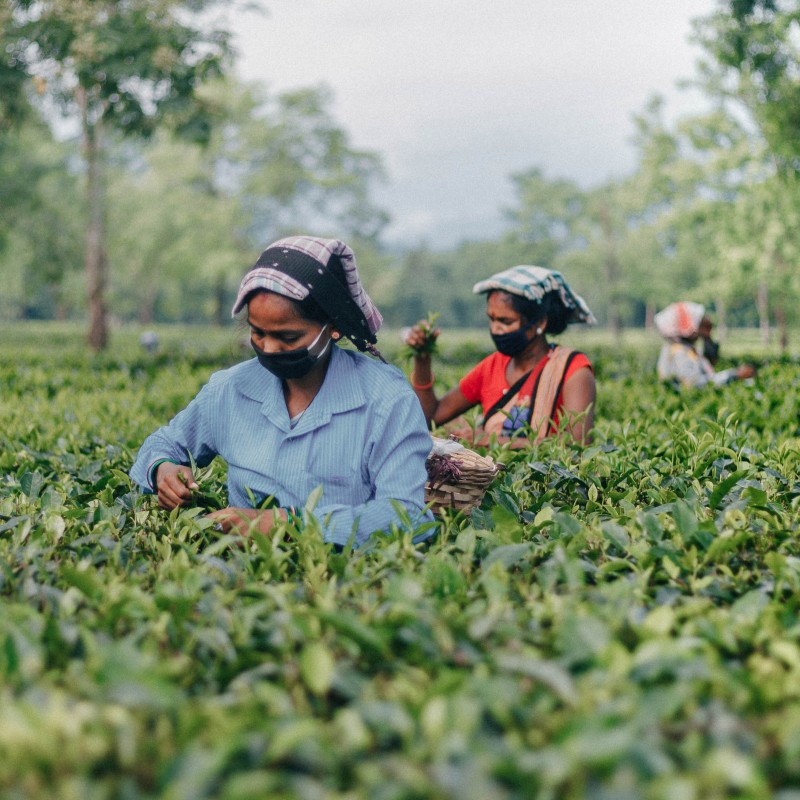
(363, 439)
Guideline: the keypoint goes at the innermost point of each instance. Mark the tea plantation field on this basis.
(615, 622)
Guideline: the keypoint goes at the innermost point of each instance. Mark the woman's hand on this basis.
(240, 520)
(421, 338)
(175, 484)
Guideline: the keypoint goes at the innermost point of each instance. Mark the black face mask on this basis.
(512, 344)
(292, 363)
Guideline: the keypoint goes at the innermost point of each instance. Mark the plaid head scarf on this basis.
(533, 283)
(300, 266)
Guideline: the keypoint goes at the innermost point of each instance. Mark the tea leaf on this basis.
(317, 667)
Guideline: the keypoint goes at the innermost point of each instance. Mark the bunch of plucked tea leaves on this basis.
(211, 492)
(430, 345)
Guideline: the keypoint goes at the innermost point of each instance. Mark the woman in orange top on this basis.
(529, 385)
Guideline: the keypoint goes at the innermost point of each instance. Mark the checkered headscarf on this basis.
(533, 283)
(300, 266)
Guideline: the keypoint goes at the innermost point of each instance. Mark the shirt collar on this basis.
(341, 391)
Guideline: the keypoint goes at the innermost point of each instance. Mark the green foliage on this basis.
(614, 621)
(755, 47)
(430, 346)
(14, 106)
(710, 213)
(123, 68)
(40, 223)
(299, 168)
(441, 282)
(751, 71)
(184, 221)
(128, 64)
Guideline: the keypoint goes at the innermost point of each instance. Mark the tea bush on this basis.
(615, 621)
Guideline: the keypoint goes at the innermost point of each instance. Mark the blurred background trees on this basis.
(173, 175)
(113, 69)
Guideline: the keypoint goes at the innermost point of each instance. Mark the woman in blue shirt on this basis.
(304, 413)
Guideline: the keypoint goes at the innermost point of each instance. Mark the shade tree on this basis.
(40, 221)
(115, 68)
(752, 66)
(191, 218)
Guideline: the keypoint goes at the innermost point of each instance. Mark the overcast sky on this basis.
(456, 95)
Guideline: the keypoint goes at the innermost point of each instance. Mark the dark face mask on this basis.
(512, 344)
(292, 363)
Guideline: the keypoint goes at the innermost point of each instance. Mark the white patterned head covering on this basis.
(533, 283)
(679, 320)
(300, 266)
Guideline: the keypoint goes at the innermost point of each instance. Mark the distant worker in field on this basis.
(708, 348)
(303, 413)
(679, 362)
(530, 388)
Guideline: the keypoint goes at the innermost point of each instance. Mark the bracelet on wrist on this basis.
(423, 386)
(292, 513)
(154, 470)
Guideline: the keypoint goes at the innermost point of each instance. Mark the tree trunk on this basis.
(783, 331)
(611, 274)
(781, 271)
(762, 304)
(146, 312)
(96, 261)
(649, 315)
(147, 301)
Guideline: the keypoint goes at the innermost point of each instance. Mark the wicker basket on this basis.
(457, 476)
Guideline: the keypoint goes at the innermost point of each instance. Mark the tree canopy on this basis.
(114, 67)
(188, 174)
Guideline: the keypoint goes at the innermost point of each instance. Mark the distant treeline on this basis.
(190, 196)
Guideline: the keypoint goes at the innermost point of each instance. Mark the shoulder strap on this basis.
(567, 361)
(504, 398)
(544, 398)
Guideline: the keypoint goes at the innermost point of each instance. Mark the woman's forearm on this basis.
(422, 379)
